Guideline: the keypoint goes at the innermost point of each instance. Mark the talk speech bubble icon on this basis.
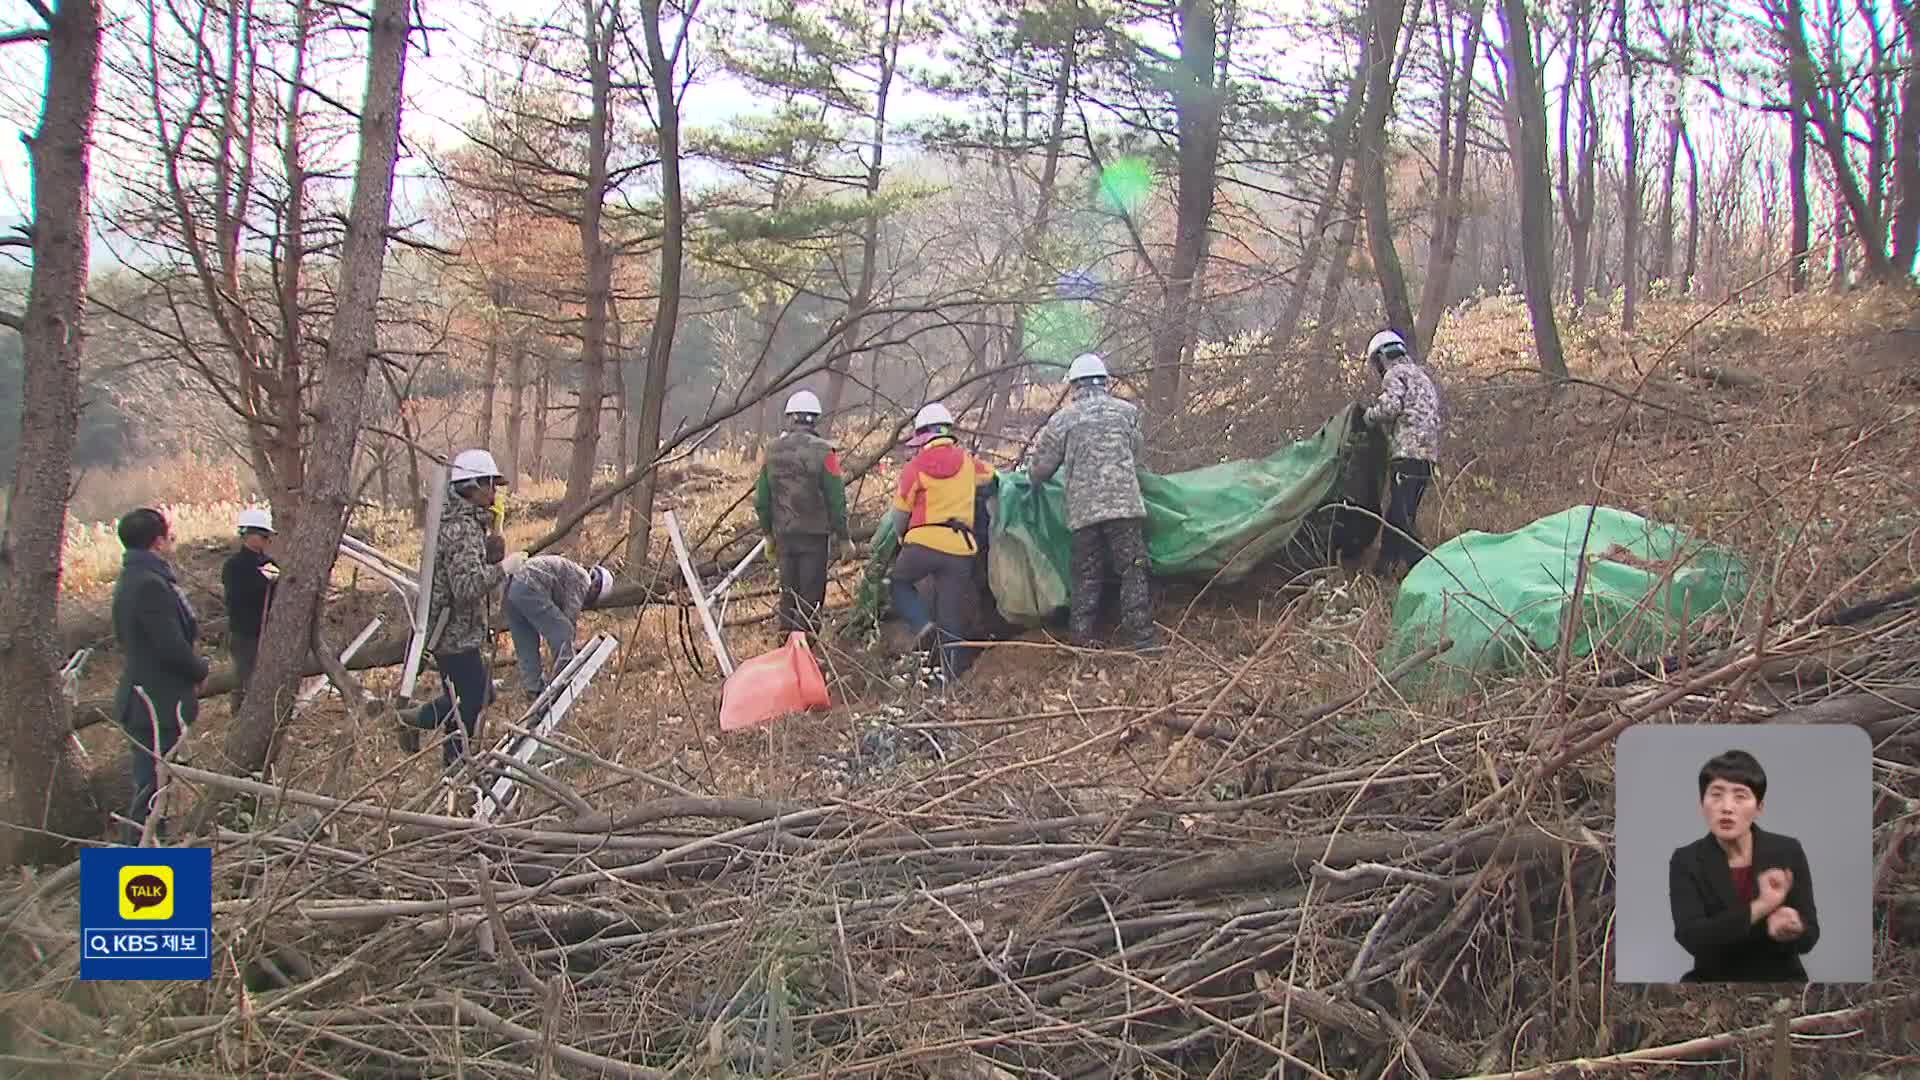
(146, 892)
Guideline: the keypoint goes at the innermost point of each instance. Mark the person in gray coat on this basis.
(1095, 442)
(544, 602)
(155, 629)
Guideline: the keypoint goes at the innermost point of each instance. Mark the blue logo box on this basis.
(146, 913)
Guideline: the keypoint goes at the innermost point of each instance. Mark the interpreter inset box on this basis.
(1743, 853)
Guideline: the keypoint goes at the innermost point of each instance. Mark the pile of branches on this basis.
(1429, 901)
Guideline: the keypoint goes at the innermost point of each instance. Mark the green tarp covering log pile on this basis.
(1215, 524)
(1503, 597)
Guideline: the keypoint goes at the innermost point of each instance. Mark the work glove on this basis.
(511, 564)
(773, 552)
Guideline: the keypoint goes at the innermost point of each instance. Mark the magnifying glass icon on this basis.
(97, 943)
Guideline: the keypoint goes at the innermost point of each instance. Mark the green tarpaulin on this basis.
(1217, 523)
(1502, 597)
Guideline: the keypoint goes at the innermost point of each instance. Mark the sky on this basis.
(439, 99)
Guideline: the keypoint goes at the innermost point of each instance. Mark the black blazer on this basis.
(155, 628)
(1710, 922)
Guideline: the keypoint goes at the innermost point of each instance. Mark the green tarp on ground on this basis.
(1502, 597)
(1216, 523)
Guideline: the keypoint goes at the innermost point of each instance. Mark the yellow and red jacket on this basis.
(936, 492)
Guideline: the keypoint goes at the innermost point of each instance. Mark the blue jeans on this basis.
(463, 675)
(532, 616)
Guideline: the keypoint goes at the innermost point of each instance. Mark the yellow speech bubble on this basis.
(146, 892)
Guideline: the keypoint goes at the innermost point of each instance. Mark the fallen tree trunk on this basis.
(1291, 861)
(1881, 713)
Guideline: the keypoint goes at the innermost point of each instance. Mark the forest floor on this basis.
(1249, 848)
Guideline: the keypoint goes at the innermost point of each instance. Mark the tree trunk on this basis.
(1630, 193)
(1577, 176)
(1693, 209)
(1528, 100)
(1340, 146)
(1670, 165)
(622, 403)
(50, 795)
(1834, 140)
(292, 622)
(516, 405)
(1337, 271)
(653, 396)
(287, 387)
(489, 390)
(1388, 16)
(1449, 205)
(889, 59)
(1906, 154)
(1800, 241)
(585, 454)
(1197, 111)
(542, 420)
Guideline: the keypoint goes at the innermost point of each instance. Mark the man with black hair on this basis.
(1742, 898)
(155, 629)
(1408, 411)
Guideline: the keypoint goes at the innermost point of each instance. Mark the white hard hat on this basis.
(254, 518)
(599, 583)
(473, 465)
(931, 414)
(1087, 366)
(1382, 340)
(803, 402)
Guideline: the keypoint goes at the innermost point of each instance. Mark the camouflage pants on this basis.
(1100, 553)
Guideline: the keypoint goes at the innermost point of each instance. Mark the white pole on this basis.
(319, 682)
(699, 601)
(429, 546)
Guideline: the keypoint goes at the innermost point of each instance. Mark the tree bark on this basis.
(516, 405)
(1834, 140)
(1337, 272)
(888, 58)
(1197, 119)
(1801, 237)
(1693, 209)
(653, 395)
(1577, 177)
(601, 19)
(1449, 204)
(1388, 17)
(1340, 142)
(1906, 155)
(292, 622)
(1528, 101)
(1630, 186)
(1669, 171)
(50, 795)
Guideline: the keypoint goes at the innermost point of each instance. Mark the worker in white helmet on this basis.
(933, 513)
(247, 578)
(800, 498)
(1408, 411)
(544, 602)
(462, 580)
(1094, 444)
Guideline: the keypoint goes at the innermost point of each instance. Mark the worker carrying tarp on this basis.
(1503, 597)
(1093, 445)
(1217, 524)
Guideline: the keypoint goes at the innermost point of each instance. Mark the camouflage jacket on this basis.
(800, 489)
(1097, 439)
(1409, 410)
(462, 577)
(563, 580)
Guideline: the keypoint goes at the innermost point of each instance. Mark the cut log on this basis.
(1882, 713)
(1290, 862)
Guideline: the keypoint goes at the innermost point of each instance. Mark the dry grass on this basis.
(1812, 477)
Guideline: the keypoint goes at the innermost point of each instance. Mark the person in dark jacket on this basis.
(247, 579)
(155, 629)
(1742, 898)
(801, 502)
